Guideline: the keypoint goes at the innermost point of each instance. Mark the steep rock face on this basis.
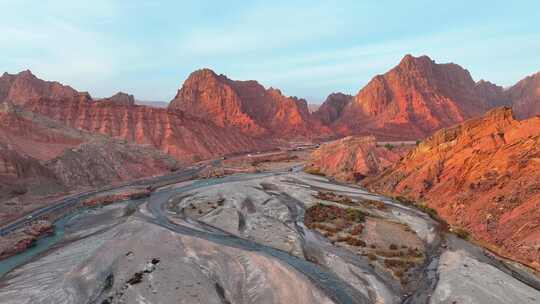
(24, 87)
(525, 96)
(332, 107)
(415, 98)
(353, 158)
(482, 175)
(184, 137)
(245, 105)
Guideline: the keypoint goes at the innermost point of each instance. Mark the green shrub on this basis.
(356, 215)
(389, 146)
(462, 233)
(432, 212)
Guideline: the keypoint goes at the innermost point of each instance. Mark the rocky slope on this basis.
(413, 99)
(482, 175)
(525, 97)
(104, 161)
(246, 105)
(353, 158)
(22, 174)
(40, 156)
(30, 134)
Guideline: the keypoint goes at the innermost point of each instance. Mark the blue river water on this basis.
(6, 265)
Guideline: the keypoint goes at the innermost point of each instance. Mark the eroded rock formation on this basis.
(184, 137)
(482, 175)
(414, 99)
(353, 158)
(246, 105)
(40, 156)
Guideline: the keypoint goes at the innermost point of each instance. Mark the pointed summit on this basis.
(26, 73)
(413, 99)
(245, 105)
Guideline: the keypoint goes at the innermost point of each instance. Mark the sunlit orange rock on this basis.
(414, 99)
(482, 175)
(183, 136)
(247, 106)
(353, 158)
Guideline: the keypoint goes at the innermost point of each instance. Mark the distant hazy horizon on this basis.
(307, 49)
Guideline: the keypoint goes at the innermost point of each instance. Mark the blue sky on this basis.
(306, 48)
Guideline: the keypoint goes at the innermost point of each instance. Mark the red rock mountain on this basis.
(183, 136)
(482, 175)
(414, 99)
(352, 158)
(525, 96)
(246, 105)
(42, 157)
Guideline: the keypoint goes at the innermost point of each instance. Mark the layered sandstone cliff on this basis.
(185, 137)
(247, 106)
(41, 156)
(482, 175)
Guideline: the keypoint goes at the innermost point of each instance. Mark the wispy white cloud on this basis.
(307, 48)
(262, 28)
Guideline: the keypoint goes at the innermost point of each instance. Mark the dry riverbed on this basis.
(274, 237)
